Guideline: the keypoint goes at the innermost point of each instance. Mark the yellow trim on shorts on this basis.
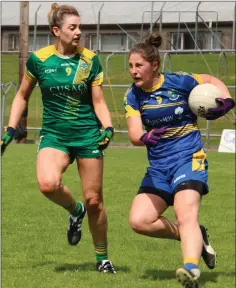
(198, 161)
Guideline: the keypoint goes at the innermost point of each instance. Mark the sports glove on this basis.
(152, 137)
(20, 132)
(225, 105)
(105, 138)
(7, 138)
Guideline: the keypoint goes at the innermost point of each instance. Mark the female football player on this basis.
(74, 110)
(177, 174)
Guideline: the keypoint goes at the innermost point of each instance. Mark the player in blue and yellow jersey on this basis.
(74, 110)
(177, 172)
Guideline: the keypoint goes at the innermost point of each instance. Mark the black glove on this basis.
(20, 132)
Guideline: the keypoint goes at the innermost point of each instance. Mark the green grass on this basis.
(35, 253)
(118, 74)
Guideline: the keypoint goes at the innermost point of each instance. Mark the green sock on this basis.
(101, 252)
(75, 209)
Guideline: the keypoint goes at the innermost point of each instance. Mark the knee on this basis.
(136, 223)
(186, 218)
(48, 186)
(93, 204)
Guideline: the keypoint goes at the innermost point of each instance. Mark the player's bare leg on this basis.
(145, 217)
(186, 207)
(51, 163)
(91, 173)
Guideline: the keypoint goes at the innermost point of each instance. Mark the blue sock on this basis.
(190, 266)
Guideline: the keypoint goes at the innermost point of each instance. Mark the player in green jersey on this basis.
(74, 110)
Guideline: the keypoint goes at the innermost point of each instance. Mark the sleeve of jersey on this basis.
(131, 104)
(191, 81)
(97, 72)
(30, 68)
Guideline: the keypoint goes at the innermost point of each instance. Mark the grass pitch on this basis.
(35, 253)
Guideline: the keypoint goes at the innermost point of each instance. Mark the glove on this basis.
(20, 132)
(105, 138)
(152, 137)
(225, 105)
(7, 138)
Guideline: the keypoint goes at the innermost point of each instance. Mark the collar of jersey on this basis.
(64, 56)
(157, 86)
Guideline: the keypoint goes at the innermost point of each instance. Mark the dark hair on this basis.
(149, 49)
(57, 14)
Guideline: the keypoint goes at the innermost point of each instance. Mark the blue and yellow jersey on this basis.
(166, 105)
(65, 83)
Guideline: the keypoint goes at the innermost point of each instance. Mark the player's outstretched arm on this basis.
(18, 106)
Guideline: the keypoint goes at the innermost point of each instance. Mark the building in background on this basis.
(123, 23)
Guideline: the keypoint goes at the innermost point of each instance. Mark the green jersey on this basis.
(65, 83)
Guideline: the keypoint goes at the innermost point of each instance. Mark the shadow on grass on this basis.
(168, 274)
(89, 266)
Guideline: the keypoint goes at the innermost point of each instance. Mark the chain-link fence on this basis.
(197, 37)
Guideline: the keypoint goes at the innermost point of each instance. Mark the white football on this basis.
(202, 97)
